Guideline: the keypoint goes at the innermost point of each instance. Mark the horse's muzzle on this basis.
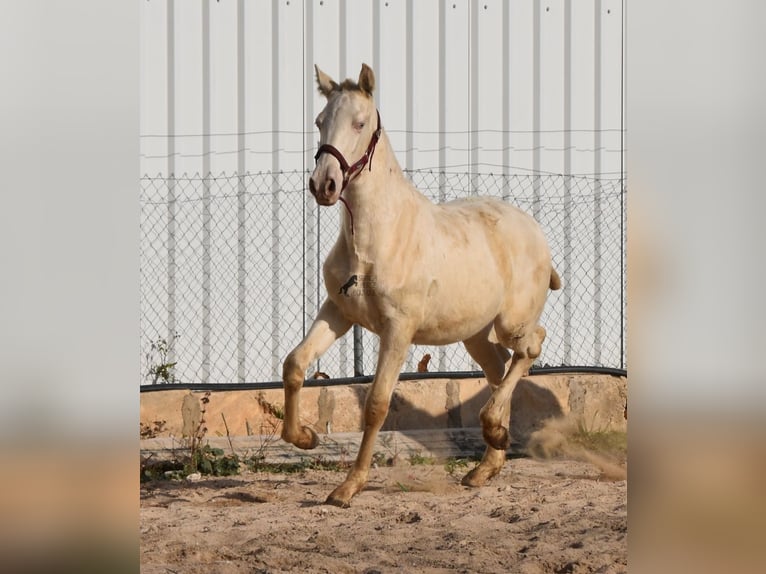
(326, 193)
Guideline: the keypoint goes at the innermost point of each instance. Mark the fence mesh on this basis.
(231, 272)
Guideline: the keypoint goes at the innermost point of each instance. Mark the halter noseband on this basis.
(349, 171)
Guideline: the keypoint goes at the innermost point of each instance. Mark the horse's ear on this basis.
(367, 79)
(325, 83)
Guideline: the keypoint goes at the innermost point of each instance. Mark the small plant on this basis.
(378, 459)
(257, 464)
(160, 369)
(416, 458)
(204, 458)
(452, 465)
(275, 411)
(391, 458)
(269, 431)
(162, 469)
(194, 428)
(403, 487)
(212, 461)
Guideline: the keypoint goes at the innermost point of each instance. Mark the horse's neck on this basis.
(377, 200)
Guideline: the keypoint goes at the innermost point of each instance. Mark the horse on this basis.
(474, 270)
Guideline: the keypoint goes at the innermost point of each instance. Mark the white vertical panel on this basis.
(259, 123)
(610, 252)
(291, 89)
(242, 200)
(186, 233)
(223, 89)
(424, 129)
(155, 247)
(390, 76)
(259, 119)
(581, 55)
(454, 65)
(326, 34)
(223, 205)
(488, 123)
(611, 73)
(578, 246)
(153, 109)
(288, 267)
(189, 89)
(551, 102)
(521, 105)
(359, 38)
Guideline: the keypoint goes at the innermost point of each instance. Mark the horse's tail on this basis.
(555, 281)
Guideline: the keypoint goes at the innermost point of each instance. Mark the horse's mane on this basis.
(350, 85)
(347, 85)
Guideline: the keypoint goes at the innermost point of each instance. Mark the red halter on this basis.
(349, 171)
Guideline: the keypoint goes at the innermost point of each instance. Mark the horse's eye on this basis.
(358, 126)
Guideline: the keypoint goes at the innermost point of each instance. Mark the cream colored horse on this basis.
(475, 270)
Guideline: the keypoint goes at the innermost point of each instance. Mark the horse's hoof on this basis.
(339, 502)
(306, 440)
(473, 479)
(339, 497)
(479, 476)
(309, 440)
(497, 437)
(342, 495)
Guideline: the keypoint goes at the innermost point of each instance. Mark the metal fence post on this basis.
(171, 182)
(241, 200)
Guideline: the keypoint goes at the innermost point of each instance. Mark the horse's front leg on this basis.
(326, 329)
(393, 351)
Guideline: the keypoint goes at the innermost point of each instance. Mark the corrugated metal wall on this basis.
(526, 89)
(526, 85)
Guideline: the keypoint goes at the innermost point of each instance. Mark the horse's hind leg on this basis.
(526, 348)
(326, 329)
(493, 359)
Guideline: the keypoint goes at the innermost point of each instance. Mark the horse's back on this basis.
(501, 222)
(509, 242)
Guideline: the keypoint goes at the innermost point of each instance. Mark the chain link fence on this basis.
(231, 272)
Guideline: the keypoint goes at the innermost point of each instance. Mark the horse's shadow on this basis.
(531, 406)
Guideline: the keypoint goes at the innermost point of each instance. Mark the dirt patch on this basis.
(553, 516)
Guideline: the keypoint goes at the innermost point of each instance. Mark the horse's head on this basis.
(349, 128)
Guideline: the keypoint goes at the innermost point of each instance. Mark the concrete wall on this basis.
(598, 400)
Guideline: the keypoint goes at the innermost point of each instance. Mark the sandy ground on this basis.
(554, 516)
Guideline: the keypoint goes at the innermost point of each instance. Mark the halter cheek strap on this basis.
(349, 171)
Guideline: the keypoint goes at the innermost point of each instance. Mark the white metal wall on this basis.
(517, 85)
(521, 87)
